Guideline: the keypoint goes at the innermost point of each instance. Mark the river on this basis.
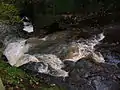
(69, 59)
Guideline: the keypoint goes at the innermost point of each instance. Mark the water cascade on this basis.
(49, 53)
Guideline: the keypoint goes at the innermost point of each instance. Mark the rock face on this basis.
(95, 76)
(11, 33)
(7, 32)
(86, 75)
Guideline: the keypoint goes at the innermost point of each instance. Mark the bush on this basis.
(9, 13)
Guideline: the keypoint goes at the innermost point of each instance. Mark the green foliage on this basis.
(64, 5)
(61, 6)
(9, 13)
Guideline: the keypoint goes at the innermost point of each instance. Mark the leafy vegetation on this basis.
(9, 13)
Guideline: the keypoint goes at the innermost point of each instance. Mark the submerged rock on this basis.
(86, 75)
(48, 64)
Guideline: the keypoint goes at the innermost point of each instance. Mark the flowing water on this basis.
(51, 51)
(83, 61)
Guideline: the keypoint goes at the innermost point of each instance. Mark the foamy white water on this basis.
(52, 53)
(85, 49)
(28, 27)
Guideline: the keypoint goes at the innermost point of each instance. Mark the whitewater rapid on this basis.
(51, 52)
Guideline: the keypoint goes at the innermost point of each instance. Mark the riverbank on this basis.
(16, 79)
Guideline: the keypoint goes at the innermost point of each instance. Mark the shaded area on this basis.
(85, 75)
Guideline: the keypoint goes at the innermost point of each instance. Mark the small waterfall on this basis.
(51, 53)
(28, 27)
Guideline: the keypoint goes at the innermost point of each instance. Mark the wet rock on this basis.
(87, 75)
(35, 67)
(6, 30)
(81, 69)
(83, 63)
(69, 65)
(100, 83)
(44, 68)
(87, 87)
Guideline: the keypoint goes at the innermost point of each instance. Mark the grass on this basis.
(16, 79)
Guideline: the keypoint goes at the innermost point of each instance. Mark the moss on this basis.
(9, 13)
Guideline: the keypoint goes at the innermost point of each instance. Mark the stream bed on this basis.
(67, 59)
